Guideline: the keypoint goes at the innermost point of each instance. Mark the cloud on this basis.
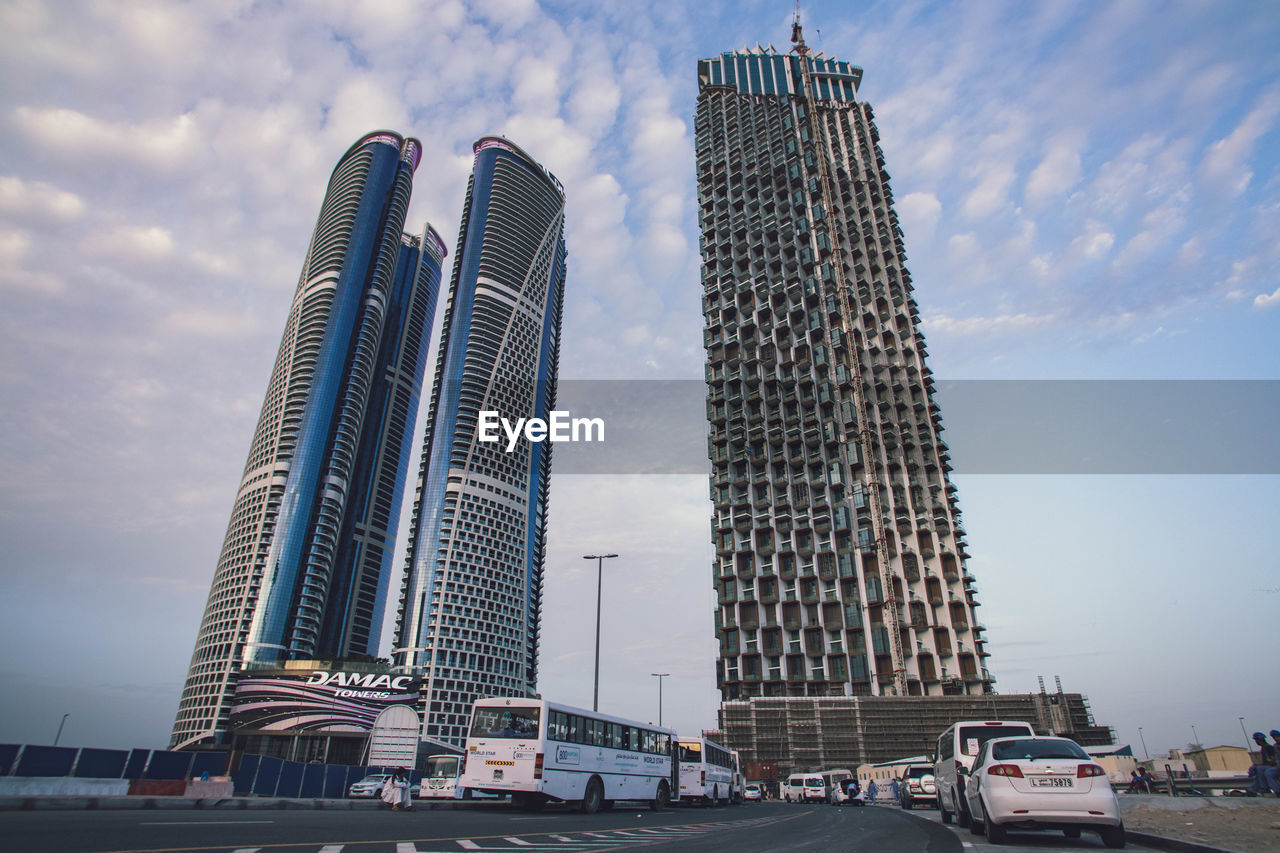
(983, 326)
(919, 213)
(131, 243)
(1058, 172)
(991, 194)
(1226, 162)
(1267, 300)
(37, 200)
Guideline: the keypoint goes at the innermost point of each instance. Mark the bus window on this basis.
(690, 752)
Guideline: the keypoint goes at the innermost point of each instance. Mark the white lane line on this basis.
(405, 847)
(200, 823)
(468, 844)
(519, 842)
(332, 848)
(248, 850)
(562, 838)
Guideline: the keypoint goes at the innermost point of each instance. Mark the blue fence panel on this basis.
(46, 761)
(268, 776)
(290, 779)
(335, 781)
(137, 763)
(312, 781)
(213, 763)
(101, 763)
(242, 776)
(354, 775)
(8, 755)
(168, 765)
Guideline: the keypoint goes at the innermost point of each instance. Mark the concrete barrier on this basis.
(61, 786)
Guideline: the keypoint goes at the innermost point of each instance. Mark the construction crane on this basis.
(871, 462)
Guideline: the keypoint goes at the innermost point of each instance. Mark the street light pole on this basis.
(58, 736)
(1197, 738)
(1248, 744)
(599, 558)
(1145, 754)
(660, 676)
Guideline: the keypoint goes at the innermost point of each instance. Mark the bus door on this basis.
(673, 747)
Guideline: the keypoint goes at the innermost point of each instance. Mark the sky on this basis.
(1088, 191)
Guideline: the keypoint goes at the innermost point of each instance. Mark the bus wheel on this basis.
(593, 797)
(466, 793)
(662, 798)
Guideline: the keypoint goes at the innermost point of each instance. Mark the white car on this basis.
(848, 793)
(751, 793)
(371, 786)
(1040, 783)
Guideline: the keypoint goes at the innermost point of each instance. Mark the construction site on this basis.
(777, 736)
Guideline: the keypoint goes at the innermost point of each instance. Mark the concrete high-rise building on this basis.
(305, 564)
(840, 557)
(472, 591)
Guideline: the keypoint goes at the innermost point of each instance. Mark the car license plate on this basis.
(1064, 782)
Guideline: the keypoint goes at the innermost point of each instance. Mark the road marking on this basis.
(406, 847)
(332, 848)
(519, 842)
(561, 838)
(468, 844)
(200, 823)
(248, 850)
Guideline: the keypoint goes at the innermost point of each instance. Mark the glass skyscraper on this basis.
(840, 557)
(472, 590)
(304, 568)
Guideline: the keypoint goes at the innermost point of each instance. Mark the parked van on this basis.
(957, 747)
(804, 788)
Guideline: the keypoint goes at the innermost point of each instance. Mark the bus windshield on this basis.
(690, 752)
(506, 722)
(442, 767)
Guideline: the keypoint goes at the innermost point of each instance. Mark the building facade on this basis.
(303, 572)
(840, 557)
(472, 590)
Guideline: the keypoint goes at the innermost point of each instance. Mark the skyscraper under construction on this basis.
(840, 558)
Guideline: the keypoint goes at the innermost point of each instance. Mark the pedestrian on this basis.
(1135, 783)
(395, 792)
(1264, 772)
(871, 792)
(1148, 781)
(893, 787)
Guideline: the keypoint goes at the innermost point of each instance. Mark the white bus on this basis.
(706, 771)
(440, 780)
(537, 751)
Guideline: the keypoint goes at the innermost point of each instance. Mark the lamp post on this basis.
(1145, 754)
(1196, 741)
(660, 676)
(58, 736)
(1248, 744)
(599, 558)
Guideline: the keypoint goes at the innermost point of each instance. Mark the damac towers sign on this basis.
(319, 701)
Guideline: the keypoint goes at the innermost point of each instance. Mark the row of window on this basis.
(572, 728)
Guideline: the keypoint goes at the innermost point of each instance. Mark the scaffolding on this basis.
(801, 734)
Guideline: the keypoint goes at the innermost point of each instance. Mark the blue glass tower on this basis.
(472, 589)
(304, 567)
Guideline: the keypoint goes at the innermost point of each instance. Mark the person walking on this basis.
(871, 792)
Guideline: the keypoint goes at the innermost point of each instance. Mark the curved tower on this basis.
(472, 590)
(304, 565)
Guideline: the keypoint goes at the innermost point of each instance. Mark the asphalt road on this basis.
(743, 829)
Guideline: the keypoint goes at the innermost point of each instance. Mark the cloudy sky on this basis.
(1088, 191)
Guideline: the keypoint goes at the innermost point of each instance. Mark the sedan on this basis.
(371, 786)
(1041, 783)
(751, 793)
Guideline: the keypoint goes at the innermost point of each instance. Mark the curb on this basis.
(1160, 842)
(127, 803)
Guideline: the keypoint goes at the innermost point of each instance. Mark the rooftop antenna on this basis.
(797, 36)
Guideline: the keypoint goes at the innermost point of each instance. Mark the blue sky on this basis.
(1088, 191)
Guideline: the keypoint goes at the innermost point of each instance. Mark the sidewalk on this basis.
(82, 803)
